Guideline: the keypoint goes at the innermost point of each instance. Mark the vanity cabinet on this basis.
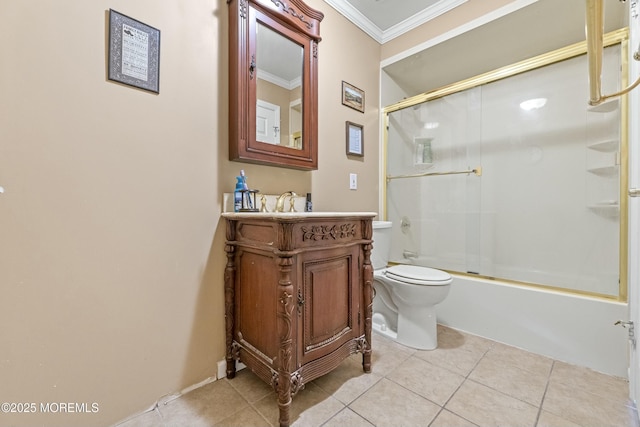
(298, 296)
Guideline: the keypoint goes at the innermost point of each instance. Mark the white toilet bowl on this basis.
(405, 296)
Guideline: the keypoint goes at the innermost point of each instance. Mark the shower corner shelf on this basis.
(423, 165)
(606, 107)
(604, 146)
(608, 209)
(604, 170)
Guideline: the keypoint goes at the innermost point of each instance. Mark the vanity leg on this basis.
(229, 297)
(284, 412)
(368, 303)
(284, 315)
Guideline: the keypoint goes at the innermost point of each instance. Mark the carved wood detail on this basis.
(291, 11)
(324, 232)
(296, 380)
(285, 237)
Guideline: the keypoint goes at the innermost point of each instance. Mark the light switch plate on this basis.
(353, 181)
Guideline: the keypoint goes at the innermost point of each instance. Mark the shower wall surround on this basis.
(546, 209)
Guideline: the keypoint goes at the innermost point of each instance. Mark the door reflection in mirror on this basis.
(279, 95)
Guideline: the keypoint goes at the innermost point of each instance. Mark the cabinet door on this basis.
(256, 303)
(331, 292)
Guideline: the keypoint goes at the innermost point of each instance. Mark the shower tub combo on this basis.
(513, 186)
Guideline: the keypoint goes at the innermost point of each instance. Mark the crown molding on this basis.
(420, 18)
(484, 19)
(382, 36)
(356, 17)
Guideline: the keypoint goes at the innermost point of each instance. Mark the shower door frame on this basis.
(633, 181)
(620, 37)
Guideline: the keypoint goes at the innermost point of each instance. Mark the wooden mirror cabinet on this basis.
(273, 82)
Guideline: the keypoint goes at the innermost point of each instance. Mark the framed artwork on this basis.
(352, 97)
(355, 139)
(134, 52)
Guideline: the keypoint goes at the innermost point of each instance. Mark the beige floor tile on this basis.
(250, 386)
(348, 381)
(534, 363)
(448, 419)
(146, 419)
(319, 413)
(487, 407)
(387, 355)
(388, 404)
(248, 417)
(457, 351)
(377, 339)
(547, 419)
(347, 418)
(429, 381)
(579, 405)
(204, 406)
(312, 406)
(510, 379)
(603, 385)
(415, 383)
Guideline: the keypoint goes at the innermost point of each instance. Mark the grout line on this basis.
(544, 395)
(341, 411)
(466, 378)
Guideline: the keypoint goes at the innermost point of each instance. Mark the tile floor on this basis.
(467, 381)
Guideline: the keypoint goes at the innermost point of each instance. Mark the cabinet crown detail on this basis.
(324, 232)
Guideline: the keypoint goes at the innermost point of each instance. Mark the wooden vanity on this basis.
(298, 295)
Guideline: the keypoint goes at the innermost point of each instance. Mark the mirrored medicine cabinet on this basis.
(273, 83)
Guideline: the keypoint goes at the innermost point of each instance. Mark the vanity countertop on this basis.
(296, 215)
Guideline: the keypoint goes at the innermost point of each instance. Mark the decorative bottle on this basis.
(308, 206)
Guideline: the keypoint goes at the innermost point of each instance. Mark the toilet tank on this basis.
(381, 244)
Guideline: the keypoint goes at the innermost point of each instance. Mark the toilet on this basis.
(405, 295)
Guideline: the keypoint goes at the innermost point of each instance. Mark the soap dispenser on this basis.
(237, 194)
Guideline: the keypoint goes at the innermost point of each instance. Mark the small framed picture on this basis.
(355, 139)
(134, 52)
(352, 97)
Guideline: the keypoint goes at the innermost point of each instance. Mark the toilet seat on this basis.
(417, 275)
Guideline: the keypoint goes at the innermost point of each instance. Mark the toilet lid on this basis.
(418, 275)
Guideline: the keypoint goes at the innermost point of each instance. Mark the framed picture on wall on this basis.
(134, 52)
(352, 97)
(355, 139)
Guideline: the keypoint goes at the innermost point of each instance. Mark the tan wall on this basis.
(111, 247)
(346, 53)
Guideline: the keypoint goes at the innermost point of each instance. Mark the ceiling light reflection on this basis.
(533, 104)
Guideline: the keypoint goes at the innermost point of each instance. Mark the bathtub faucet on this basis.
(408, 254)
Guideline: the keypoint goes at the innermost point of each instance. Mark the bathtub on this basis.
(572, 328)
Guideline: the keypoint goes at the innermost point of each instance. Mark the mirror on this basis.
(273, 82)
